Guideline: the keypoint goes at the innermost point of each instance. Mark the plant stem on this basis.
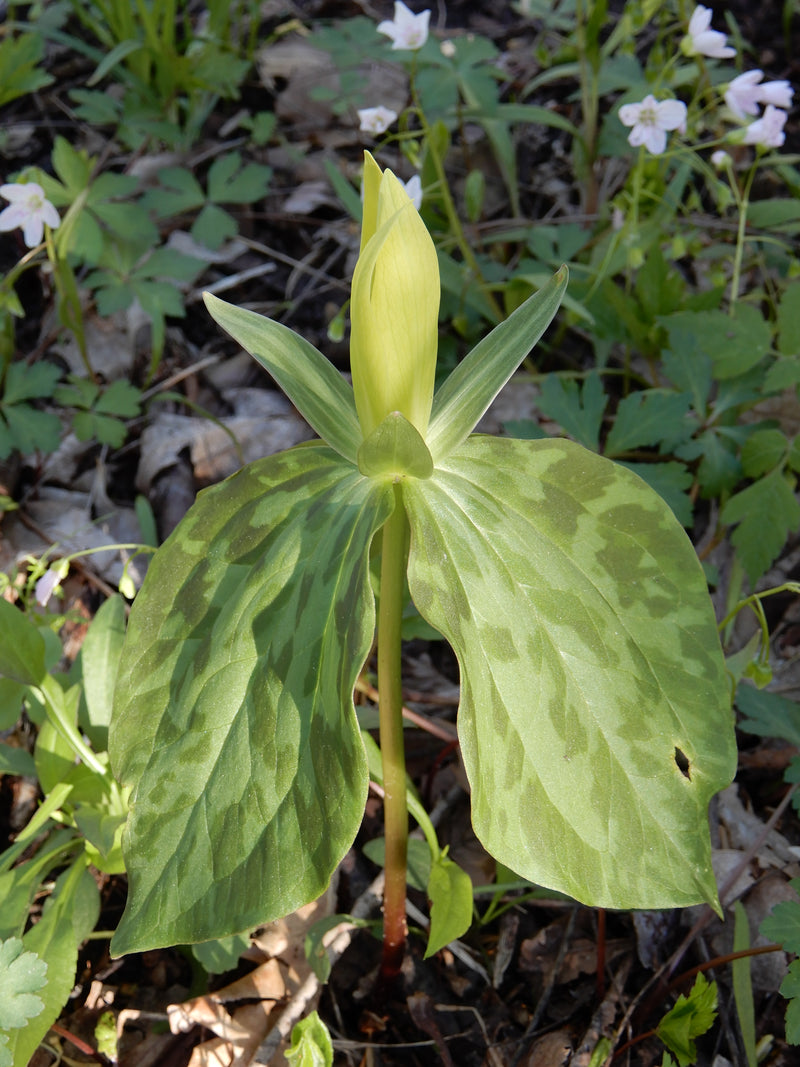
(743, 201)
(390, 704)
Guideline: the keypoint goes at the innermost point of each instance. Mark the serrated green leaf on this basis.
(782, 925)
(54, 939)
(178, 192)
(73, 167)
(719, 468)
(159, 298)
(691, 1017)
(782, 374)
(170, 263)
(589, 653)
(21, 975)
(25, 382)
(469, 390)
(213, 226)
(450, 894)
(120, 398)
(310, 381)
(734, 343)
(230, 183)
(766, 512)
(21, 64)
(233, 717)
(768, 714)
(691, 372)
(790, 988)
(578, 410)
(31, 430)
(650, 417)
(762, 451)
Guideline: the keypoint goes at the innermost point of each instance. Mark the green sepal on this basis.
(233, 716)
(476, 381)
(394, 450)
(595, 719)
(312, 383)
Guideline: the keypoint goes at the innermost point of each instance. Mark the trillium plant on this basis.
(595, 719)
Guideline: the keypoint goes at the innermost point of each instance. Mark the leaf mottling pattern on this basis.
(588, 653)
(233, 718)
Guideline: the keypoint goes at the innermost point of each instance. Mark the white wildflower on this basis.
(376, 120)
(703, 41)
(407, 30)
(746, 92)
(28, 208)
(651, 119)
(768, 130)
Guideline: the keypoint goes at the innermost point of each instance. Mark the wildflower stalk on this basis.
(742, 202)
(390, 702)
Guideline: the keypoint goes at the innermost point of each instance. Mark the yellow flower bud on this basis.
(394, 307)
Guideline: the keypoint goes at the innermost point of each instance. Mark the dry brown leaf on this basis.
(552, 1050)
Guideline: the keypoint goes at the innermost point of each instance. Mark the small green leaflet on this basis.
(691, 1017)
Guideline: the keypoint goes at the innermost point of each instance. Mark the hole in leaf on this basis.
(682, 763)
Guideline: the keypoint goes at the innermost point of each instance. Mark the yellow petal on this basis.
(372, 185)
(394, 311)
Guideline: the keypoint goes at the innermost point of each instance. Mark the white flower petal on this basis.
(778, 93)
(413, 188)
(407, 30)
(700, 20)
(629, 114)
(11, 217)
(670, 114)
(32, 230)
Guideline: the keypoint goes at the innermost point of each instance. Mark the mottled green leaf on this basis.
(671, 481)
(233, 718)
(590, 668)
(313, 384)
